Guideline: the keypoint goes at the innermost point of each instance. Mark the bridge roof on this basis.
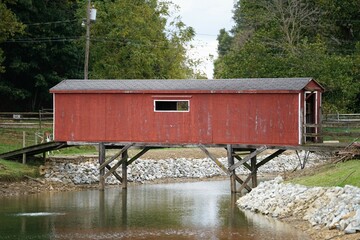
(243, 84)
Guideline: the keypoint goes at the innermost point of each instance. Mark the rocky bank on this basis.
(331, 208)
(85, 171)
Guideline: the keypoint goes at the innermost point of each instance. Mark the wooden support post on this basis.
(232, 173)
(253, 170)
(125, 148)
(247, 158)
(124, 157)
(102, 151)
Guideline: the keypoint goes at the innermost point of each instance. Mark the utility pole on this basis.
(87, 47)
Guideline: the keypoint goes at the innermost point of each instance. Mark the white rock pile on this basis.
(87, 172)
(333, 207)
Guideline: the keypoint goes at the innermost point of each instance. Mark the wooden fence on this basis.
(38, 120)
(335, 127)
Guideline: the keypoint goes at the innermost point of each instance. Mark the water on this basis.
(196, 210)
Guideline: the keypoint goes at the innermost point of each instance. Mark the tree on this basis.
(293, 38)
(130, 40)
(9, 26)
(43, 55)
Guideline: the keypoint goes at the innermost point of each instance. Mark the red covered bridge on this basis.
(237, 111)
(258, 113)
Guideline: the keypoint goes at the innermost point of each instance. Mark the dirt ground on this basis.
(39, 185)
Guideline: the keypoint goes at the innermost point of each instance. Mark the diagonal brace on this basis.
(114, 173)
(126, 147)
(113, 169)
(267, 159)
(142, 152)
(245, 164)
(245, 185)
(248, 157)
(220, 165)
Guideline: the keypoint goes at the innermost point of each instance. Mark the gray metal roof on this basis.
(181, 84)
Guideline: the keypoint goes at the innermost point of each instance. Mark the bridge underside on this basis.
(237, 154)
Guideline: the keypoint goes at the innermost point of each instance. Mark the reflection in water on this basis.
(196, 210)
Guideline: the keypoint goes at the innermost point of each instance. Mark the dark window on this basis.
(171, 105)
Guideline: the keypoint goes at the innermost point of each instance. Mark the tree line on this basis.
(43, 42)
(296, 38)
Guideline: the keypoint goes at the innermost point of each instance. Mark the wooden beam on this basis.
(202, 147)
(270, 157)
(101, 161)
(125, 157)
(245, 185)
(122, 160)
(245, 164)
(248, 157)
(113, 168)
(254, 171)
(142, 152)
(231, 162)
(114, 173)
(126, 147)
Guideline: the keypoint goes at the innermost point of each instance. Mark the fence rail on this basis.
(41, 119)
(341, 127)
(341, 118)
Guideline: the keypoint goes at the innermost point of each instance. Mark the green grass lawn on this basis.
(12, 138)
(14, 171)
(340, 174)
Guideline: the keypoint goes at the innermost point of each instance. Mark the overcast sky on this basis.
(207, 17)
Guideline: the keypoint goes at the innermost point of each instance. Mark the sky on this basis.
(207, 17)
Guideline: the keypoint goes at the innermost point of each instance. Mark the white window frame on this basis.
(171, 100)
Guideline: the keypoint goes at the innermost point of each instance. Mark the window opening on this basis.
(171, 106)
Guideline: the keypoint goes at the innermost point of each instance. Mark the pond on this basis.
(194, 210)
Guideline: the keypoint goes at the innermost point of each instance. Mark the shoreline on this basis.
(45, 185)
(16, 189)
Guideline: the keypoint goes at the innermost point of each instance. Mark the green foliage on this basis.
(42, 43)
(9, 26)
(340, 174)
(294, 38)
(42, 56)
(129, 41)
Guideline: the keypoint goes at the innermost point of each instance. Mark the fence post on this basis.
(24, 144)
(40, 119)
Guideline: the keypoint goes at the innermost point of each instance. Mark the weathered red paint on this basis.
(224, 117)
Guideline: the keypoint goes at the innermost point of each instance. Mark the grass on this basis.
(345, 134)
(340, 174)
(14, 171)
(12, 138)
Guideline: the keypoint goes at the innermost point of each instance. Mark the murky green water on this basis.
(197, 210)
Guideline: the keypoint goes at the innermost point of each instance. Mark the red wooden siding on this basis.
(263, 118)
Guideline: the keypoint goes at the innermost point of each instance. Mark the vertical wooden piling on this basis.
(102, 170)
(230, 163)
(124, 156)
(253, 171)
